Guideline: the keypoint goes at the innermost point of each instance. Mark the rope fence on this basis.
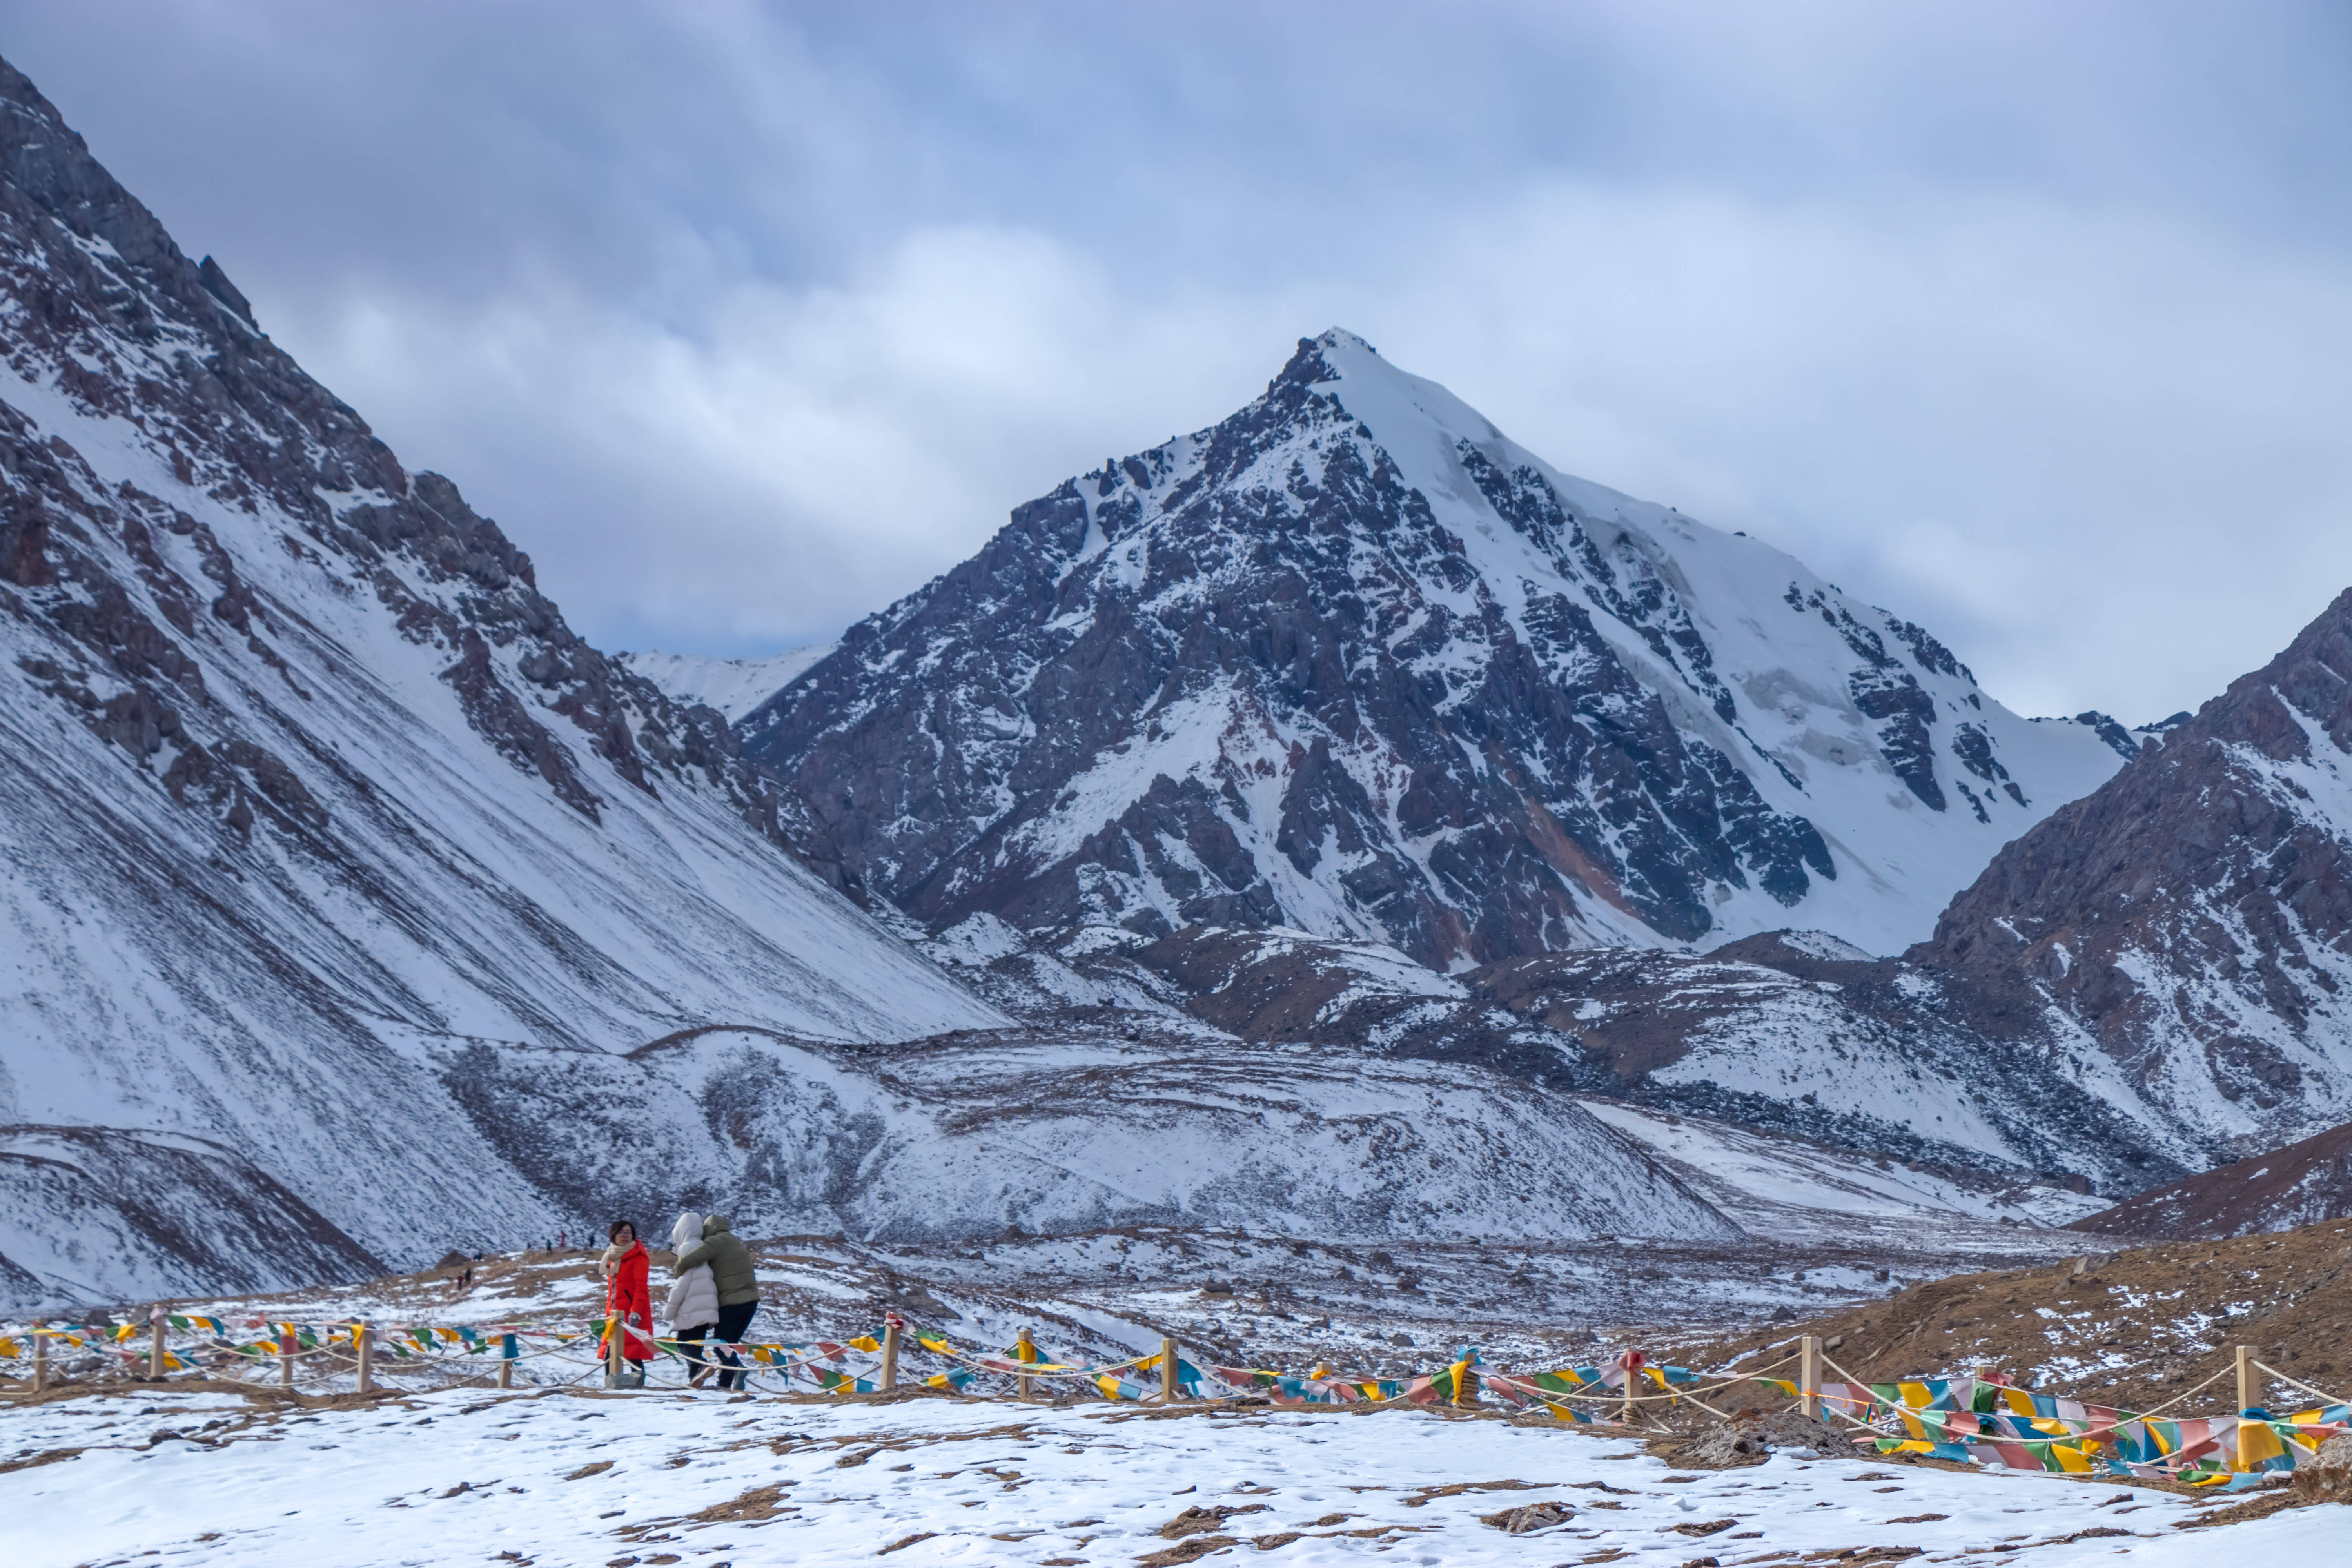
(1983, 1419)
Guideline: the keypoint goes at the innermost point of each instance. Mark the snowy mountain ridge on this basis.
(1354, 662)
(2189, 926)
(733, 686)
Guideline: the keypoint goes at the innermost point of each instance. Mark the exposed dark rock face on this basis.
(131, 331)
(2192, 919)
(1390, 679)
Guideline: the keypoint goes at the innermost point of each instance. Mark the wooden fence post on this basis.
(1167, 1372)
(156, 1354)
(288, 1347)
(1632, 1362)
(365, 1342)
(40, 1354)
(1808, 1374)
(2246, 1400)
(506, 1361)
(613, 1362)
(1026, 1351)
(891, 1325)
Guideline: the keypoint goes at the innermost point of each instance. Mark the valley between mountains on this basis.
(1338, 822)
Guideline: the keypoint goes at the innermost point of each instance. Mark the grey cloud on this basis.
(2024, 321)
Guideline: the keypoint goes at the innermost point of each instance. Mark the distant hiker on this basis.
(739, 1287)
(693, 1305)
(628, 1304)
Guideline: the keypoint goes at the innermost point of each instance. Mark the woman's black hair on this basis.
(613, 1231)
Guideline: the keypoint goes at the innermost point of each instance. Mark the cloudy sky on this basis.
(2031, 323)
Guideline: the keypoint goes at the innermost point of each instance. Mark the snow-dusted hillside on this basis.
(1796, 1036)
(1354, 662)
(303, 784)
(2185, 932)
(1056, 1132)
(733, 686)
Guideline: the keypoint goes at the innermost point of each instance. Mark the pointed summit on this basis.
(1353, 662)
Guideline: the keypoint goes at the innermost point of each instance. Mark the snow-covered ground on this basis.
(558, 1480)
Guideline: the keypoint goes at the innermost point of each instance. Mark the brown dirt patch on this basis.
(33, 1461)
(2288, 1295)
(759, 1502)
(1424, 1495)
(1191, 1551)
(2263, 1507)
(1193, 1521)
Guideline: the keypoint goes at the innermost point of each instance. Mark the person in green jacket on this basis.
(739, 1288)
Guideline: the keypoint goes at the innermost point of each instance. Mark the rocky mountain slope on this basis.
(1793, 1036)
(1050, 1132)
(2134, 1328)
(2303, 1183)
(303, 784)
(2189, 925)
(1355, 663)
(2149, 982)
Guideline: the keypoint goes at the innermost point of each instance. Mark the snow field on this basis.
(701, 1480)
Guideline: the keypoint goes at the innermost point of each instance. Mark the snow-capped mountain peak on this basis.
(1352, 660)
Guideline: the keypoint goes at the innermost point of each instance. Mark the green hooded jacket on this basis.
(729, 1260)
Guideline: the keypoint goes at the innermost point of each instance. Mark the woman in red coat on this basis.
(630, 1301)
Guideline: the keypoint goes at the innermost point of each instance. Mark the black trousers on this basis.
(733, 1324)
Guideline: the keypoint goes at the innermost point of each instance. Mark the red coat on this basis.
(629, 1296)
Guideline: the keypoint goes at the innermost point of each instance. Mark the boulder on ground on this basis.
(2327, 1477)
(1751, 1436)
(1523, 1520)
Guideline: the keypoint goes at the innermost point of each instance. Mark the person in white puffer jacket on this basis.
(693, 1306)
